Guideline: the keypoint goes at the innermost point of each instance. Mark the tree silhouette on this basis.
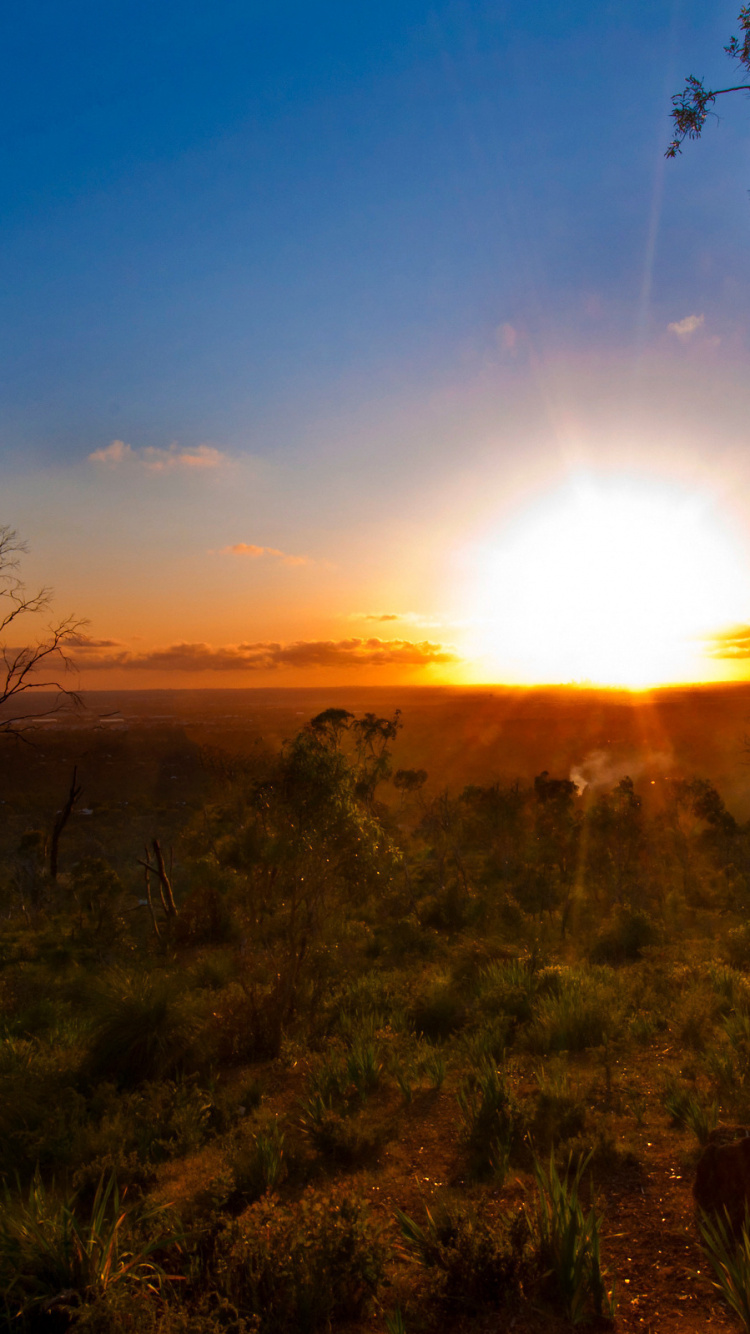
(691, 107)
(20, 665)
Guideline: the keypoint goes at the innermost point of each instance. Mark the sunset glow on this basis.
(614, 583)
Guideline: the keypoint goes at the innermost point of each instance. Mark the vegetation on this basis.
(692, 107)
(362, 1058)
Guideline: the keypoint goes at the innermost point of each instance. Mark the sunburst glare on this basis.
(613, 582)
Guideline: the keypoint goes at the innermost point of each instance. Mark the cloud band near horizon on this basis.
(265, 656)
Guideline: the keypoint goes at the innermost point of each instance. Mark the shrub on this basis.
(559, 1113)
(494, 1124)
(363, 1068)
(624, 936)
(140, 1032)
(46, 1249)
(729, 1257)
(343, 1140)
(690, 1113)
(479, 1263)
(568, 1244)
(439, 1015)
(508, 988)
(582, 1014)
(298, 1269)
(260, 1166)
(737, 946)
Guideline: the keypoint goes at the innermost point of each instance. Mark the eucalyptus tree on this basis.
(692, 107)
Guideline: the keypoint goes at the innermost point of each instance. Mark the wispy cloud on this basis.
(408, 617)
(684, 329)
(265, 656)
(119, 454)
(731, 643)
(250, 549)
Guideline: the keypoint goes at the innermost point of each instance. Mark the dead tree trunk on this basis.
(165, 885)
(61, 820)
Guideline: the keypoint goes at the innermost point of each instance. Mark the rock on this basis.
(722, 1179)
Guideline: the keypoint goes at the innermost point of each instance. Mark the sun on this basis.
(614, 582)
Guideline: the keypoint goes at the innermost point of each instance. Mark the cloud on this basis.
(249, 549)
(732, 643)
(85, 643)
(686, 328)
(159, 460)
(415, 618)
(269, 656)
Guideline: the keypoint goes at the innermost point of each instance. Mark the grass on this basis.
(569, 1244)
(492, 1119)
(301, 1268)
(729, 1257)
(47, 1247)
(478, 1263)
(140, 1031)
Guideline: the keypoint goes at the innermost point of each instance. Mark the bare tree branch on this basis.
(20, 666)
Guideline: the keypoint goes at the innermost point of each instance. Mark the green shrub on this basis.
(260, 1166)
(494, 1125)
(363, 1068)
(729, 1257)
(141, 1032)
(581, 1014)
(568, 1244)
(478, 1262)
(559, 1113)
(344, 1141)
(690, 1113)
(508, 988)
(300, 1268)
(737, 946)
(46, 1248)
(439, 1015)
(623, 938)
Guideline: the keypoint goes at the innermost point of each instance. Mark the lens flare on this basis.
(610, 582)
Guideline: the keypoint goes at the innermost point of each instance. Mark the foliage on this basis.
(569, 1244)
(479, 1262)
(494, 1125)
(691, 107)
(691, 1113)
(141, 1032)
(300, 1268)
(47, 1249)
(729, 1257)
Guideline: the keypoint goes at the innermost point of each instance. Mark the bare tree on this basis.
(38, 664)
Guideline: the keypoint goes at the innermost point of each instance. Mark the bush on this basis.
(568, 1244)
(737, 946)
(140, 1033)
(729, 1257)
(582, 1014)
(508, 988)
(494, 1124)
(260, 1166)
(439, 1015)
(298, 1269)
(559, 1113)
(624, 936)
(47, 1250)
(479, 1263)
(690, 1113)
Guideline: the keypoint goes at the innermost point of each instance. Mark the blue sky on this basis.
(343, 245)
